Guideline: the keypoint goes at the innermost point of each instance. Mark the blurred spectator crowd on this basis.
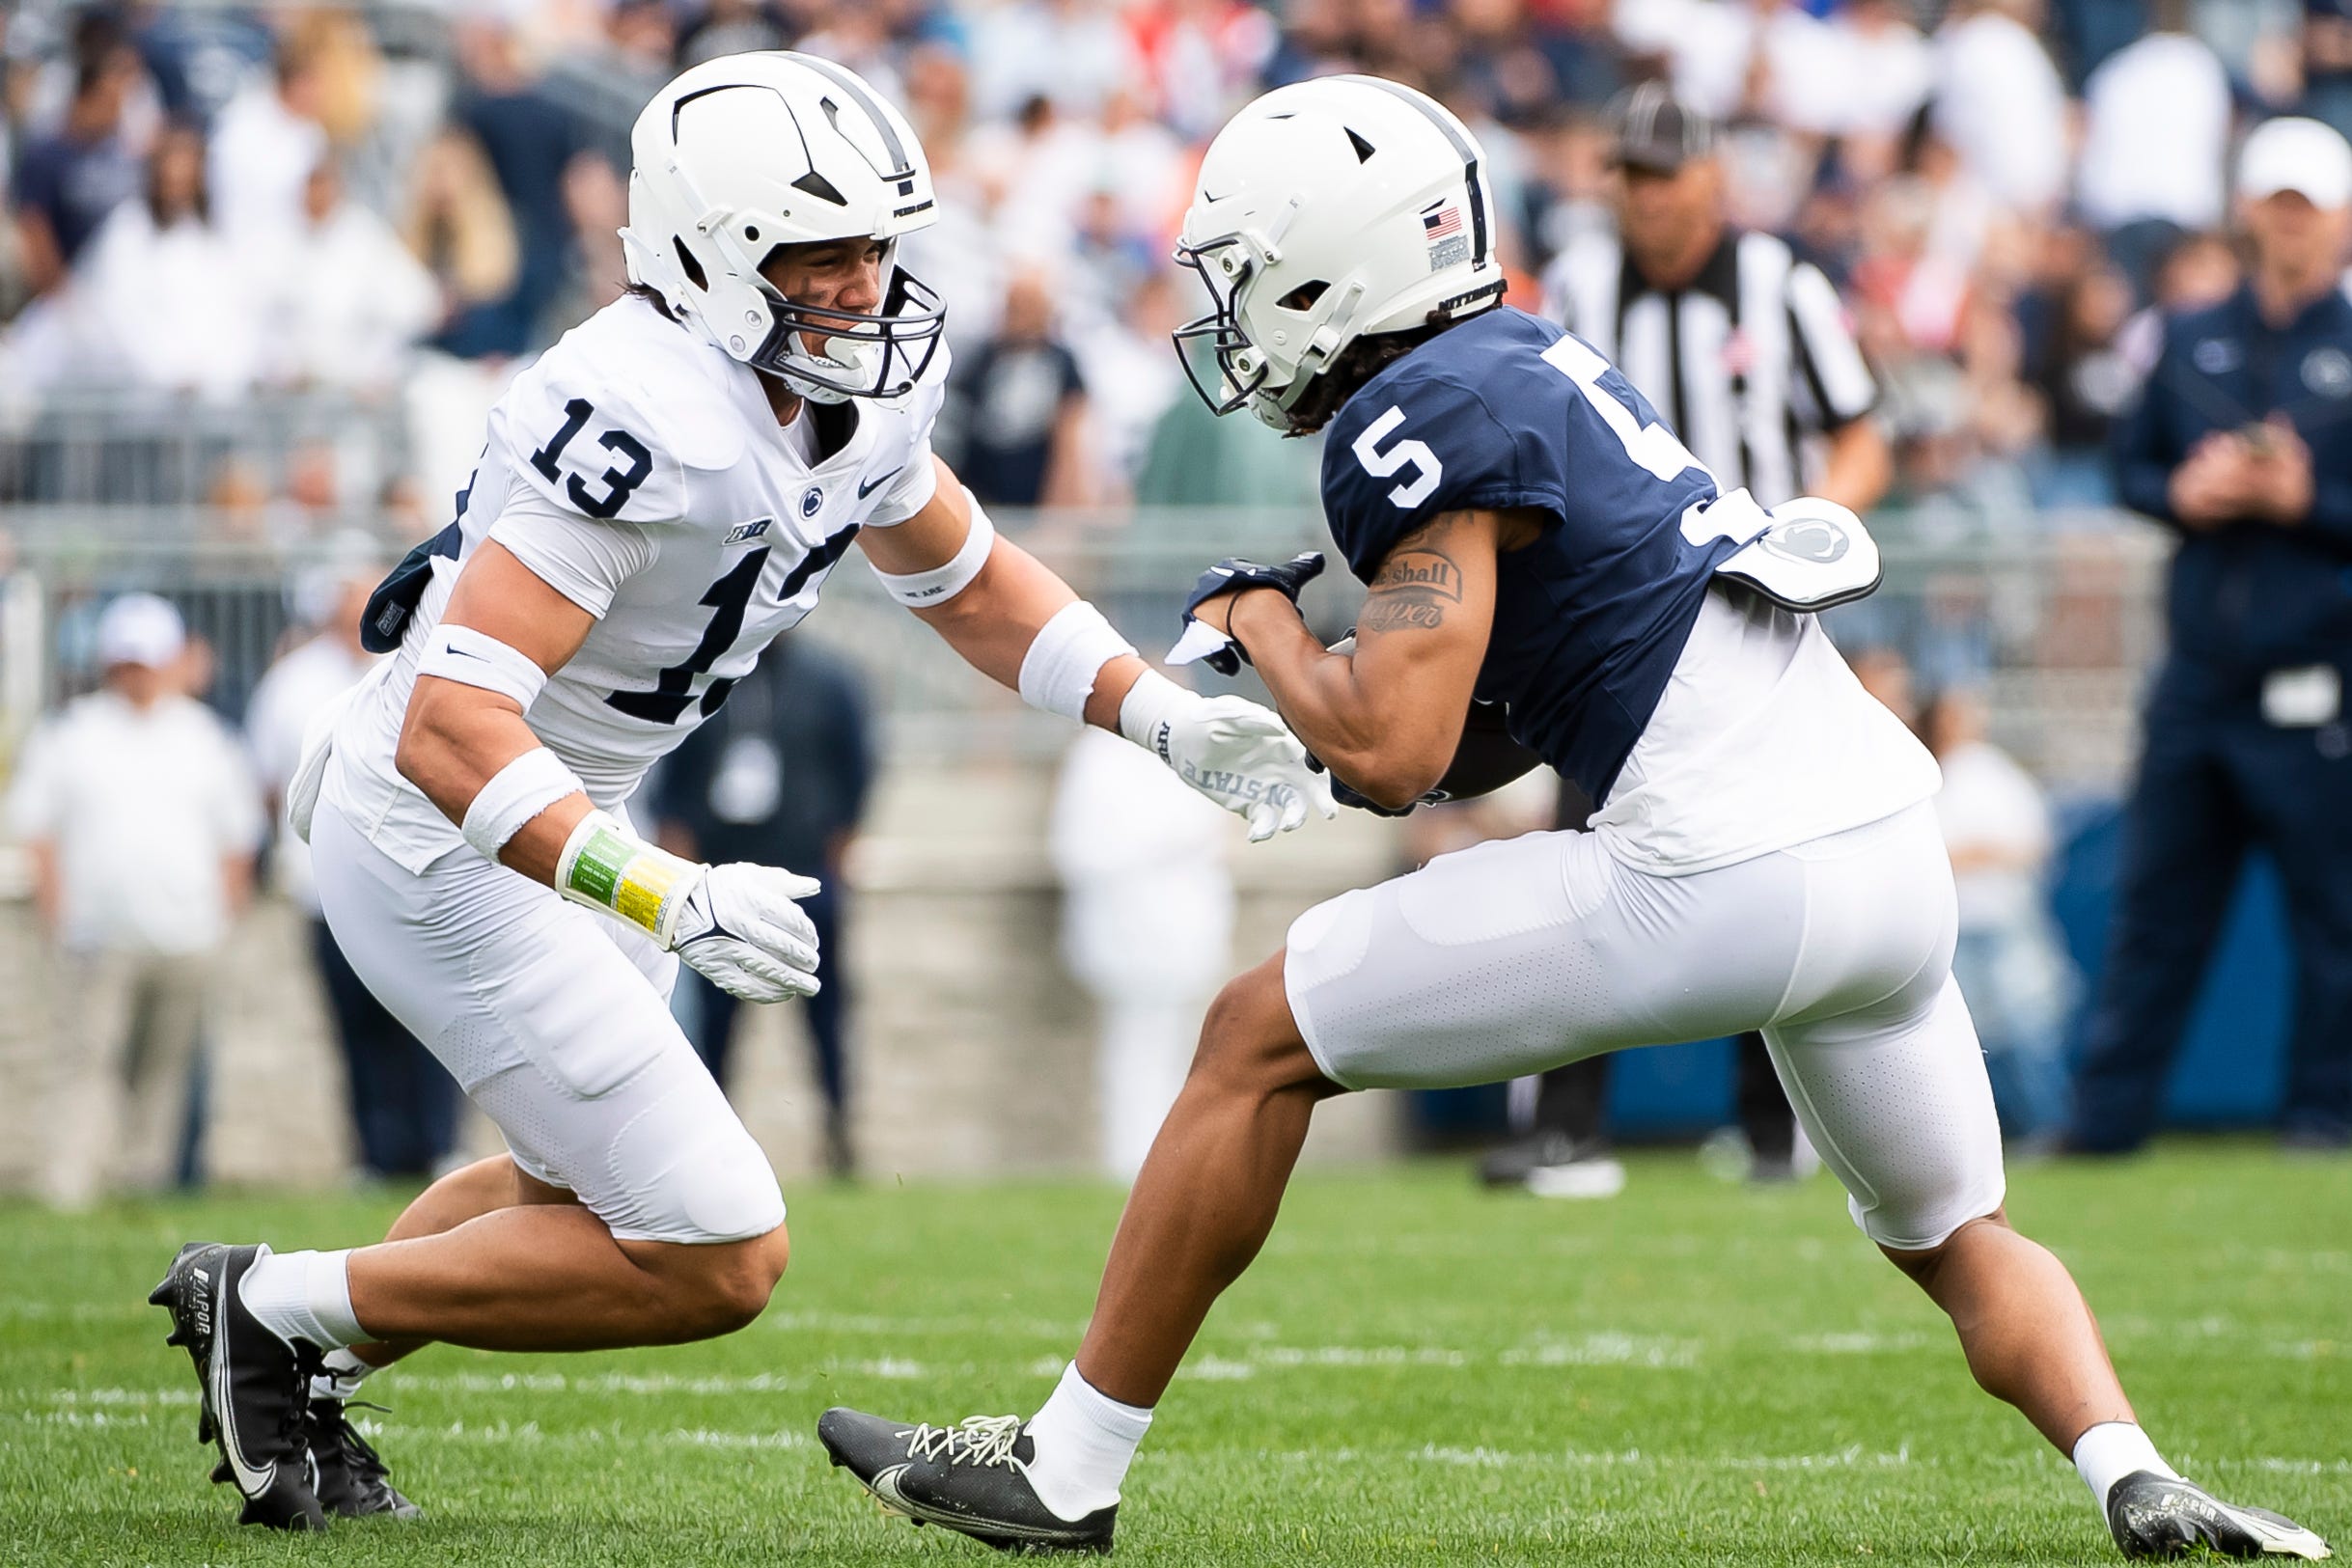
(387, 206)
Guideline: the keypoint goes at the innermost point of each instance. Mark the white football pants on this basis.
(1517, 955)
(556, 1021)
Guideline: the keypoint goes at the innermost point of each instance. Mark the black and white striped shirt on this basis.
(1750, 362)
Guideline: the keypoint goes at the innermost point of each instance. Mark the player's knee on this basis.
(1922, 1265)
(1249, 1042)
(733, 1289)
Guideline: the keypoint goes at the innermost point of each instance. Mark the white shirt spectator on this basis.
(1838, 77)
(173, 307)
(2002, 106)
(2156, 134)
(1071, 51)
(1991, 803)
(143, 808)
(1706, 43)
(1147, 926)
(349, 303)
(290, 693)
(261, 151)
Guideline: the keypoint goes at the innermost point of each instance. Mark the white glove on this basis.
(1239, 755)
(740, 929)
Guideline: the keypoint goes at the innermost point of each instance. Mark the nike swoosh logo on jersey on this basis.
(250, 1482)
(865, 489)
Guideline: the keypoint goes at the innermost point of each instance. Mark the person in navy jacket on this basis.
(2242, 442)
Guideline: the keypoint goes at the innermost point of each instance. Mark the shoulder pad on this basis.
(608, 421)
(1413, 443)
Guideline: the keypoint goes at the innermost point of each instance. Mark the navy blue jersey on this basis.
(1507, 410)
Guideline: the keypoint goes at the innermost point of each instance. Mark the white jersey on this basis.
(642, 473)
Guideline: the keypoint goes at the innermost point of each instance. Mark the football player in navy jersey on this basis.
(1764, 854)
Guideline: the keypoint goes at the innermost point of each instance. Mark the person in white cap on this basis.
(141, 820)
(2243, 443)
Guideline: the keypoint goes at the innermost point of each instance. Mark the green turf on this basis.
(1414, 1372)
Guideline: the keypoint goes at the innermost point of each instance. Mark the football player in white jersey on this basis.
(661, 493)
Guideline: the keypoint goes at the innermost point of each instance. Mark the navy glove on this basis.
(1232, 575)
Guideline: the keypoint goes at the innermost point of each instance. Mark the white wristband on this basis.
(1145, 712)
(922, 590)
(515, 794)
(475, 658)
(1058, 672)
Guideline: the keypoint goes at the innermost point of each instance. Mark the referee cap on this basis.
(1649, 129)
(2303, 155)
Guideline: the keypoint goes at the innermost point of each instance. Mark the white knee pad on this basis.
(687, 1171)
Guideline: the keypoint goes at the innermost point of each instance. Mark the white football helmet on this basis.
(749, 151)
(1327, 211)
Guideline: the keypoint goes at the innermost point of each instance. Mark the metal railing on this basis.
(2058, 625)
(70, 451)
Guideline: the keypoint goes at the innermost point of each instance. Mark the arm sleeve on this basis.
(1828, 357)
(581, 557)
(2143, 447)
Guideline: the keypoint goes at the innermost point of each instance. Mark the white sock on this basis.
(343, 1375)
(304, 1295)
(1084, 1442)
(2111, 1450)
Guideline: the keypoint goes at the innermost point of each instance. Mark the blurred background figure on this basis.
(404, 1102)
(168, 301)
(780, 775)
(141, 820)
(2240, 445)
(1146, 927)
(348, 302)
(64, 184)
(1020, 413)
(2009, 964)
(1745, 352)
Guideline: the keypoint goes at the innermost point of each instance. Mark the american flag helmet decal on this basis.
(1440, 219)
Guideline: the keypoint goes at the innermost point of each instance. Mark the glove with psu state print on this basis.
(1237, 753)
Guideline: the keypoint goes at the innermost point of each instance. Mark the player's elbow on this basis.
(1395, 776)
(426, 754)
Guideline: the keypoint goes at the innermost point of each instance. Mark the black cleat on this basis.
(972, 1478)
(354, 1482)
(256, 1387)
(2154, 1516)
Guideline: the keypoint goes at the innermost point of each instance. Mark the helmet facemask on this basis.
(1228, 267)
(879, 353)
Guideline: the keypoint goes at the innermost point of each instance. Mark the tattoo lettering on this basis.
(1416, 583)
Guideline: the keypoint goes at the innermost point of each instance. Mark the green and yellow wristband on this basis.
(606, 866)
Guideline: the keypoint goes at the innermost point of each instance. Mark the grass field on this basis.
(1415, 1373)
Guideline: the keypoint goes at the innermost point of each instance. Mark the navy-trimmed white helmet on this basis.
(749, 151)
(1325, 211)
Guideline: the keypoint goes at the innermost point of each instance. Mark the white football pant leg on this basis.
(1517, 955)
(556, 1022)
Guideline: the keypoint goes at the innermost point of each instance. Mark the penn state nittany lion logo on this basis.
(811, 501)
(1814, 539)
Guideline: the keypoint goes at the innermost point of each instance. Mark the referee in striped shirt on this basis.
(1745, 350)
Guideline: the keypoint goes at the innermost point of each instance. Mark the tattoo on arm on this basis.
(1418, 582)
